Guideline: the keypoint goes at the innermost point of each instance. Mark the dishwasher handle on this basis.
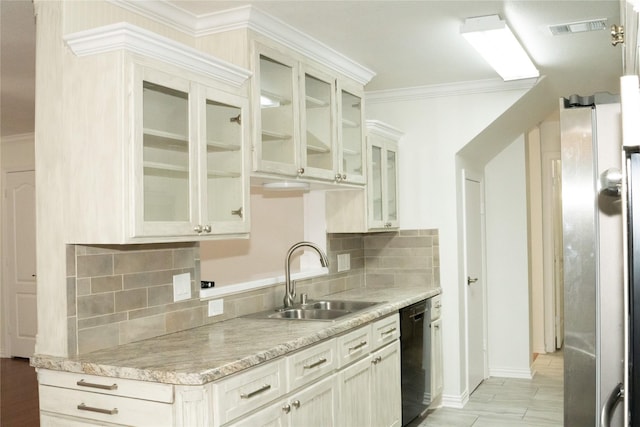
(416, 317)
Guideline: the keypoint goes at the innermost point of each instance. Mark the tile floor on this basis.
(511, 402)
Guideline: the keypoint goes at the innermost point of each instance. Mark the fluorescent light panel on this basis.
(493, 39)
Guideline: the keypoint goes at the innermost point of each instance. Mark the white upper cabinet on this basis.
(382, 147)
(177, 163)
(374, 208)
(308, 120)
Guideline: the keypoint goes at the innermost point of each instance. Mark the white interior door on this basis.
(476, 341)
(20, 262)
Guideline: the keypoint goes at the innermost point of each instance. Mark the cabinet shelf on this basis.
(312, 102)
(166, 169)
(223, 174)
(217, 146)
(272, 100)
(315, 145)
(269, 136)
(165, 140)
(350, 124)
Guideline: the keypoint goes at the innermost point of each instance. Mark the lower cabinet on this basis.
(351, 380)
(315, 405)
(370, 390)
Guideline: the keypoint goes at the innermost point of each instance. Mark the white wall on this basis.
(507, 274)
(436, 127)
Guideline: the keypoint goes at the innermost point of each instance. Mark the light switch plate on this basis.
(344, 262)
(181, 286)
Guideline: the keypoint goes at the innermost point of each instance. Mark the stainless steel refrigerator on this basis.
(593, 251)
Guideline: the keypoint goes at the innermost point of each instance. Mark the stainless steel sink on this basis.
(326, 310)
(308, 314)
(342, 305)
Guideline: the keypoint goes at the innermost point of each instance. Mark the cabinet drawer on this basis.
(354, 345)
(436, 307)
(310, 364)
(107, 385)
(102, 407)
(385, 330)
(248, 390)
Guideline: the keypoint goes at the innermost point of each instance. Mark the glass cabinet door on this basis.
(318, 126)
(351, 138)
(277, 136)
(166, 156)
(392, 187)
(375, 187)
(225, 180)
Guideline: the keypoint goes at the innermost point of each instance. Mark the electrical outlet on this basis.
(344, 262)
(181, 286)
(216, 307)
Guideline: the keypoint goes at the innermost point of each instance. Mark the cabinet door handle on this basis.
(197, 228)
(237, 212)
(254, 392)
(389, 331)
(83, 383)
(301, 171)
(338, 177)
(83, 407)
(286, 408)
(355, 347)
(314, 364)
(237, 119)
(377, 360)
(207, 228)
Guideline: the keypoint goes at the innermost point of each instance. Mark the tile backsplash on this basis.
(122, 294)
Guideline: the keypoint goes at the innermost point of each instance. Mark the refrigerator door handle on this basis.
(609, 407)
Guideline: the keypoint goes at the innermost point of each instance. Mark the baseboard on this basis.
(511, 373)
(455, 401)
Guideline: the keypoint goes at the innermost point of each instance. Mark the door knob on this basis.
(471, 281)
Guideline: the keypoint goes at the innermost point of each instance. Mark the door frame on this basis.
(5, 342)
(473, 176)
(548, 242)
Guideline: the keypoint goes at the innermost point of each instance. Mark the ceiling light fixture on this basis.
(493, 39)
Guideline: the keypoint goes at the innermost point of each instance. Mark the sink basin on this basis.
(309, 314)
(341, 305)
(326, 310)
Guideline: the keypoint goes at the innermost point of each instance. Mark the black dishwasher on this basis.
(415, 340)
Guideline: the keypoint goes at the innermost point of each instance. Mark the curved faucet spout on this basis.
(290, 285)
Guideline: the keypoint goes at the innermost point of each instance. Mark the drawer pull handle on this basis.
(254, 392)
(83, 407)
(314, 364)
(355, 347)
(83, 383)
(389, 331)
(376, 360)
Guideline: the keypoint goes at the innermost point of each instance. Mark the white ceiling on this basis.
(407, 43)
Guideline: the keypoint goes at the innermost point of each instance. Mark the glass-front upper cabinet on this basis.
(382, 186)
(226, 192)
(165, 202)
(318, 125)
(276, 79)
(351, 135)
(192, 176)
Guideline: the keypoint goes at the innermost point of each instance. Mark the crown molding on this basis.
(248, 17)
(383, 129)
(125, 36)
(445, 90)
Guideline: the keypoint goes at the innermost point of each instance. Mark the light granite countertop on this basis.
(208, 353)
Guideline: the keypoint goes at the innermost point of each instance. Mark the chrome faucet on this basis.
(290, 285)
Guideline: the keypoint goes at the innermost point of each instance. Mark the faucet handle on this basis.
(303, 299)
